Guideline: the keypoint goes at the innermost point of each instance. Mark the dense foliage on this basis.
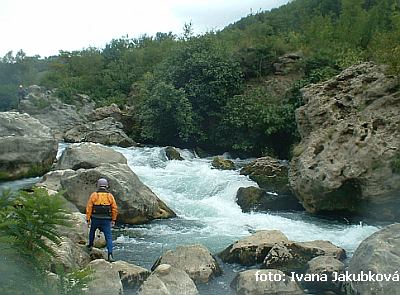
(209, 90)
(28, 225)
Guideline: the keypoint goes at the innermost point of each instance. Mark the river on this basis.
(204, 200)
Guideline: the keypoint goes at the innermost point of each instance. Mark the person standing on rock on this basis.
(21, 95)
(101, 213)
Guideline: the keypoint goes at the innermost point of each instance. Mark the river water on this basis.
(204, 200)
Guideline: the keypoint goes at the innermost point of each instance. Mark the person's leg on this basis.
(106, 228)
(94, 224)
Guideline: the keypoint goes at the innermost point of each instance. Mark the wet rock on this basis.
(223, 164)
(378, 254)
(253, 249)
(136, 202)
(195, 260)
(106, 131)
(27, 147)
(350, 140)
(257, 282)
(105, 279)
(173, 154)
(167, 280)
(294, 256)
(270, 174)
(256, 199)
(132, 276)
(88, 155)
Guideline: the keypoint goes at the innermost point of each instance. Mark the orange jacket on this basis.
(101, 198)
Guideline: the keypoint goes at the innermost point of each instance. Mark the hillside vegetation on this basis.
(210, 90)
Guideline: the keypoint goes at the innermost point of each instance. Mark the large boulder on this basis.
(106, 131)
(265, 282)
(168, 280)
(256, 199)
(253, 249)
(195, 260)
(269, 173)
(379, 254)
(88, 155)
(173, 154)
(136, 202)
(27, 147)
(350, 144)
(105, 279)
(132, 276)
(223, 164)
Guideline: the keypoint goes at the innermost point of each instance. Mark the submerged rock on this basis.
(378, 254)
(223, 164)
(195, 260)
(136, 202)
(256, 199)
(173, 154)
(265, 282)
(27, 147)
(350, 144)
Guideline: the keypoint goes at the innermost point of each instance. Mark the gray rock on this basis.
(253, 249)
(106, 131)
(350, 144)
(88, 155)
(167, 280)
(378, 254)
(195, 260)
(324, 266)
(246, 283)
(136, 202)
(294, 256)
(105, 279)
(107, 111)
(173, 154)
(223, 164)
(27, 147)
(132, 276)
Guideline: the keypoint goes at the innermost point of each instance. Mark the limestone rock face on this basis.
(350, 144)
(195, 260)
(136, 202)
(27, 147)
(88, 155)
(106, 131)
(246, 283)
(253, 249)
(168, 280)
(380, 254)
(105, 280)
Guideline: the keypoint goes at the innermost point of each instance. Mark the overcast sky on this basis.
(45, 26)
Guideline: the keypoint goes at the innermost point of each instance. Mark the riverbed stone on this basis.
(253, 249)
(246, 283)
(27, 147)
(294, 256)
(378, 254)
(223, 164)
(136, 202)
(88, 155)
(257, 199)
(168, 280)
(105, 279)
(195, 260)
(350, 144)
(173, 154)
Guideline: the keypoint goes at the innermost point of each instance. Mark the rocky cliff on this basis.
(349, 154)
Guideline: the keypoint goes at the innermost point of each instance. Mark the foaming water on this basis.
(204, 200)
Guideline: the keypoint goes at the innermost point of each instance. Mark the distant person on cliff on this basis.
(101, 213)
(21, 94)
